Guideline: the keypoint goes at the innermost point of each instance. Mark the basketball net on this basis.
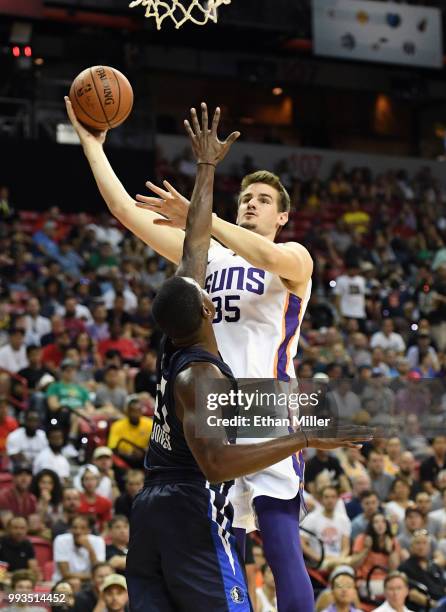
(198, 11)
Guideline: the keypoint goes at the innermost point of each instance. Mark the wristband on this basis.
(206, 164)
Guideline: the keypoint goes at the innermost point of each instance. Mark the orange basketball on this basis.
(102, 97)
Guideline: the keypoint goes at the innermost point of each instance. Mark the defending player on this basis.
(271, 278)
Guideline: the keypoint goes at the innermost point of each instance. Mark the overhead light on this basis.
(277, 91)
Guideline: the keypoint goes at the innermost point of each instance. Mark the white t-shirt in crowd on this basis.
(12, 360)
(18, 442)
(328, 530)
(47, 460)
(393, 342)
(36, 327)
(386, 607)
(439, 516)
(77, 558)
(352, 290)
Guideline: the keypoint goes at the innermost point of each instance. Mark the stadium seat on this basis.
(48, 571)
(43, 550)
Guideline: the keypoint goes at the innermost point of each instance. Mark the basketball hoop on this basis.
(198, 11)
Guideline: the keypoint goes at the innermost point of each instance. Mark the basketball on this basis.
(102, 97)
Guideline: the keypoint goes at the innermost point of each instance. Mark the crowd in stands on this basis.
(78, 348)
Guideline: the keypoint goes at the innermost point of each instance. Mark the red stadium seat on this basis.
(48, 571)
(43, 550)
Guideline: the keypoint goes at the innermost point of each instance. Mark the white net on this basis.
(197, 11)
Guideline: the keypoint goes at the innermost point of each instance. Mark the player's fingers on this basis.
(232, 138)
(204, 118)
(161, 192)
(189, 130)
(171, 189)
(216, 121)
(195, 122)
(70, 110)
(148, 201)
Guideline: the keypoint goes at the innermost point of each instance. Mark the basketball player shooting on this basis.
(182, 552)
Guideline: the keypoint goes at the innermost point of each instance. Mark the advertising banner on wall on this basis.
(378, 32)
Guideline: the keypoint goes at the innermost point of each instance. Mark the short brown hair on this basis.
(20, 575)
(394, 575)
(263, 176)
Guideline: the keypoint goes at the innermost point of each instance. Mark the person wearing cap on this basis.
(89, 598)
(66, 392)
(342, 594)
(114, 593)
(136, 429)
(103, 460)
(25, 443)
(13, 354)
(396, 590)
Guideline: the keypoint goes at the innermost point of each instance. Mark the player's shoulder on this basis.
(196, 370)
(298, 248)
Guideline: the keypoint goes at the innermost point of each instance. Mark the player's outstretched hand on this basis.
(86, 135)
(170, 204)
(337, 436)
(207, 148)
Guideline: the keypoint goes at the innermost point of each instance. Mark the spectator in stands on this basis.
(377, 546)
(360, 484)
(370, 506)
(98, 329)
(407, 472)
(70, 261)
(23, 582)
(129, 436)
(430, 468)
(88, 598)
(51, 457)
(134, 481)
(266, 594)
(145, 379)
(396, 590)
(66, 602)
(44, 241)
(104, 231)
(36, 326)
(440, 515)
(350, 294)
(17, 497)
(53, 353)
(423, 502)
(413, 523)
(332, 528)
(25, 443)
(110, 394)
(413, 439)
(423, 347)
(387, 338)
(7, 424)
(392, 456)
(76, 552)
(324, 461)
(71, 501)
(46, 488)
(116, 551)
(35, 369)
(117, 340)
(437, 315)
(103, 460)
(355, 218)
(400, 501)
(343, 593)
(114, 593)
(418, 568)
(66, 392)
(381, 482)
(93, 505)
(13, 354)
(437, 497)
(15, 548)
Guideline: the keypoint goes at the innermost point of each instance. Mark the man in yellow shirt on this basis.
(129, 436)
(357, 219)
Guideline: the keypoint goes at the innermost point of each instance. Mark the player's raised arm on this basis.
(208, 151)
(220, 461)
(166, 241)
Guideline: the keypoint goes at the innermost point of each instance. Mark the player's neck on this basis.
(204, 342)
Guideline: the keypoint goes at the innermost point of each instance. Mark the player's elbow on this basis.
(214, 469)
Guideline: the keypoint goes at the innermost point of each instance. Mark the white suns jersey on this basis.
(257, 320)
